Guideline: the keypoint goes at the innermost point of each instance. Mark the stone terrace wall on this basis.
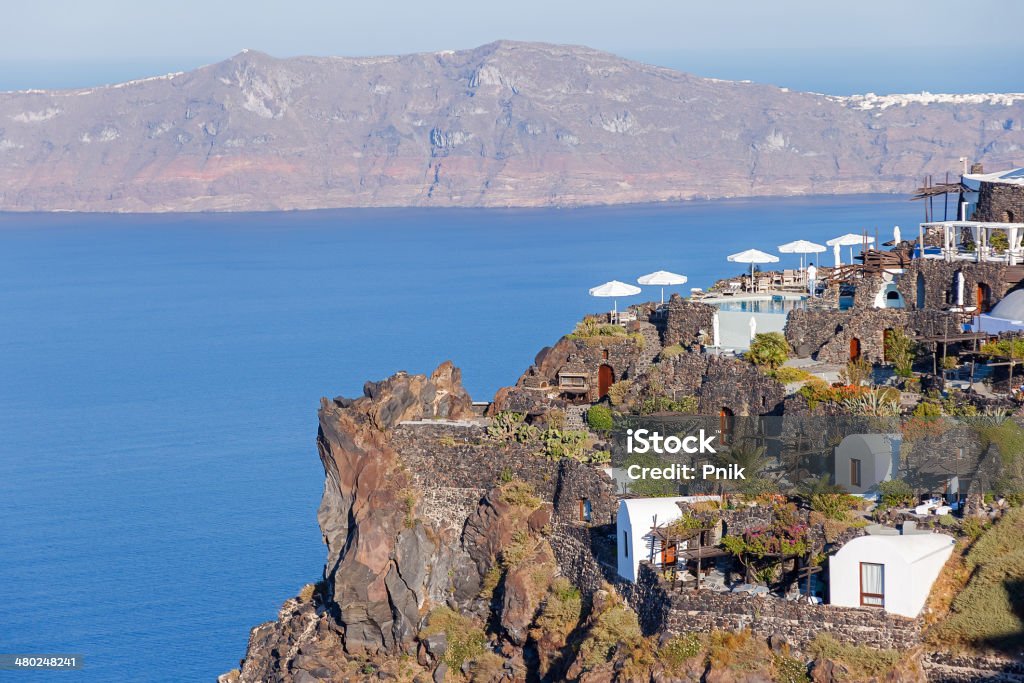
(705, 610)
(472, 463)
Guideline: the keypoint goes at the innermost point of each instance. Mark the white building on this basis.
(863, 461)
(636, 520)
(894, 573)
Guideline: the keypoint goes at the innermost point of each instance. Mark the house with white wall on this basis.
(863, 461)
(890, 572)
(636, 520)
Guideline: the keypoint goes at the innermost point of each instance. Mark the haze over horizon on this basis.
(875, 46)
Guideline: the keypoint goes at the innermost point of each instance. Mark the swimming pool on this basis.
(775, 304)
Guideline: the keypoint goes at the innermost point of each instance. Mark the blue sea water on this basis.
(160, 375)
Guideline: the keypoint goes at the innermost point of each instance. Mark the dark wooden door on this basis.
(605, 378)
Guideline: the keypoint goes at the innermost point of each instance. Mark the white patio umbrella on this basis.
(801, 247)
(614, 289)
(850, 239)
(716, 331)
(896, 234)
(836, 255)
(753, 327)
(753, 256)
(959, 288)
(662, 278)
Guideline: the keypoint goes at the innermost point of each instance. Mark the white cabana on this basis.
(614, 289)
(753, 256)
(850, 240)
(662, 278)
(752, 324)
(801, 247)
(894, 573)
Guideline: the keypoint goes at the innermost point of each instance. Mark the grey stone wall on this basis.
(826, 334)
(938, 280)
(704, 610)
(472, 462)
(1000, 203)
(685, 320)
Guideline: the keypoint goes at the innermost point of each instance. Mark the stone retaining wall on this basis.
(704, 610)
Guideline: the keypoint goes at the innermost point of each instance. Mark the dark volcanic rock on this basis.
(505, 124)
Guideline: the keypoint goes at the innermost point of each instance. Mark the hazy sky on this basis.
(726, 36)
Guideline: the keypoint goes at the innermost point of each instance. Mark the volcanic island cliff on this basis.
(482, 547)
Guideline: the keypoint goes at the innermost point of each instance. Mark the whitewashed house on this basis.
(636, 519)
(863, 461)
(890, 572)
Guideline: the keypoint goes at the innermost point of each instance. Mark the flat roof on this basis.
(1014, 176)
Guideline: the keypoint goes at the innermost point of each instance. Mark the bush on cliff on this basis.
(988, 614)
(599, 418)
(520, 493)
(466, 639)
(560, 612)
(614, 626)
(768, 350)
(862, 661)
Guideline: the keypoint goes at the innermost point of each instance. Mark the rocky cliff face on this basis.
(506, 124)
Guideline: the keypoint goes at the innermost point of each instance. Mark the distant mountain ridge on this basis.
(505, 124)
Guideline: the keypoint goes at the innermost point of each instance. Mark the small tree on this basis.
(600, 419)
(1010, 349)
(768, 350)
(856, 372)
(900, 350)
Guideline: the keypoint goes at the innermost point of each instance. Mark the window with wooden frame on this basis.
(872, 585)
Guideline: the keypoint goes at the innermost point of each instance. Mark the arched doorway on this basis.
(605, 379)
(885, 344)
(854, 349)
(726, 424)
(920, 292)
(983, 298)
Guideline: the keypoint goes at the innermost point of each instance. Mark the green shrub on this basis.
(856, 373)
(561, 610)
(678, 650)
(833, 505)
(670, 352)
(895, 493)
(559, 444)
(863, 661)
(616, 625)
(788, 375)
(519, 493)
(466, 640)
(768, 350)
(600, 419)
(686, 405)
(900, 350)
(619, 392)
(927, 410)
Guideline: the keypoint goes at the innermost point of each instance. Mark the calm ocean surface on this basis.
(160, 375)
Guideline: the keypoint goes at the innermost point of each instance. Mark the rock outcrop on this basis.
(382, 565)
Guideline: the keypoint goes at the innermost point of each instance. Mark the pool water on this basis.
(776, 304)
